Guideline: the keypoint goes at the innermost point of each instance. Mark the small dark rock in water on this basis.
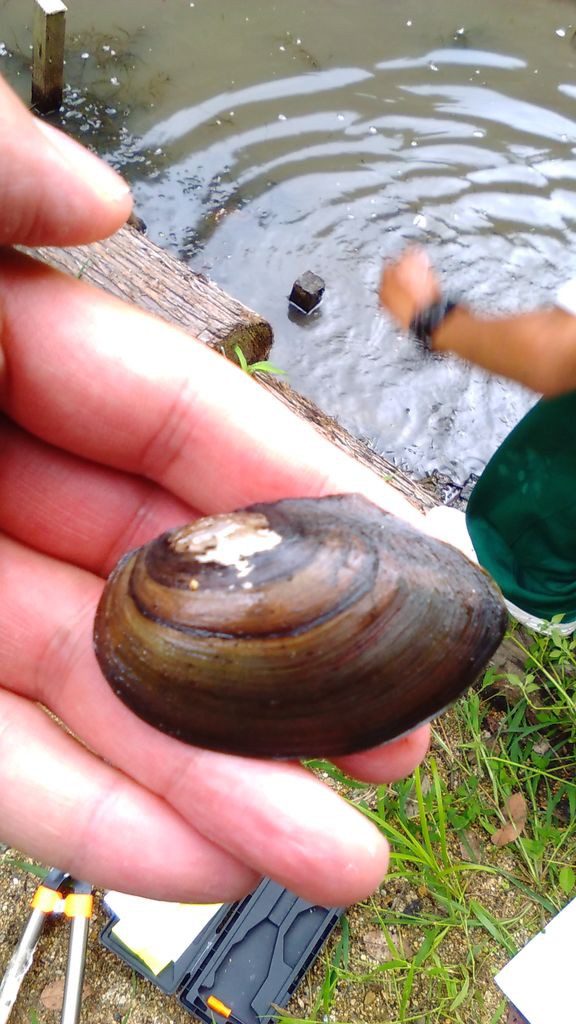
(307, 292)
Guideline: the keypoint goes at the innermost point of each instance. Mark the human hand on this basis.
(115, 427)
(408, 285)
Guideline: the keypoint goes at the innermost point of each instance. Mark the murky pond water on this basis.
(265, 139)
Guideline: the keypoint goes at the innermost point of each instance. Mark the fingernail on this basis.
(93, 171)
(419, 255)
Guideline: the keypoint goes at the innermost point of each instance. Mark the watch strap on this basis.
(429, 319)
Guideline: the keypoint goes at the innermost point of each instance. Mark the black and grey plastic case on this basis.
(250, 956)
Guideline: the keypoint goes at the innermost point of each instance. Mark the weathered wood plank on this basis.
(132, 267)
(48, 32)
(333, 430)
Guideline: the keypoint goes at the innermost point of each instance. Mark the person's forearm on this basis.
(537, 349)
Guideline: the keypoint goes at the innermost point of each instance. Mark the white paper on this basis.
(156, 931)
(540, 980)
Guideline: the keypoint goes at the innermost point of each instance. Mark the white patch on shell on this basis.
(228, 539)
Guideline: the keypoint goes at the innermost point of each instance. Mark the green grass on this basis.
(25, 865)
(455, 907)
(263, 366)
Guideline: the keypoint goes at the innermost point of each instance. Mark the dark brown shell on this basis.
(350, 630)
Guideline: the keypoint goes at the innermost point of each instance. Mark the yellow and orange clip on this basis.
(75, 904)
(58, 894)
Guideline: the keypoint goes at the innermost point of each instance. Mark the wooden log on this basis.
(48, 32)
(335, 432)
(132, 267)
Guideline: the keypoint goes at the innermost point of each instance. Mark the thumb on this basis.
(52, 190)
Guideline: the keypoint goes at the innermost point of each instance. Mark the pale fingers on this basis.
(53, 191)
(74, 509)
(87, 514)
(64, 806)
(389, 762)
(408, 285)
(112, 384)
(275, 817)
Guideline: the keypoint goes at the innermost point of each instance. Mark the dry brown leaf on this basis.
(412, 807)
(52, 995)
(506, 834)
(512, 692)
(375, 944)
(471, 847)
(516, 810)
(406, 948)
(377, 948)
(369, 999)
(492, 722)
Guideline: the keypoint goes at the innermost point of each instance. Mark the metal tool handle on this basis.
(79, 928)
(20, 963)
(75, 971)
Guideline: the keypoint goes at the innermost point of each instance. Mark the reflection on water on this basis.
(265, 139)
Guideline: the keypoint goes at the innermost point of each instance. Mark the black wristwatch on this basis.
(429, 319)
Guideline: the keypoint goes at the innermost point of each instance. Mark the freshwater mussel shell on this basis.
(350, 631)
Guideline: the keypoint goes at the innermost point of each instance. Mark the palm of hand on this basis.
(408, 285)
(115, 427)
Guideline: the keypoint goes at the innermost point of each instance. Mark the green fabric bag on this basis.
(521, 516)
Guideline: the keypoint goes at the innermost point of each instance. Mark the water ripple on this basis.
(465, 149)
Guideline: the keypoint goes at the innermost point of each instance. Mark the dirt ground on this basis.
(115, 995)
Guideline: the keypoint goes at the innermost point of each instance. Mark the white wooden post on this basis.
(49, 27)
